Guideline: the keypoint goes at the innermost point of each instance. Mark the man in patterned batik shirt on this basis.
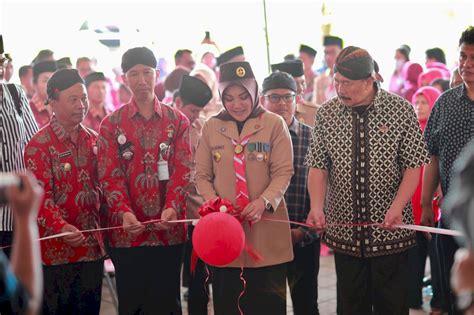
(144, 155)
(365, 155)
(449, 129)
(62, 155)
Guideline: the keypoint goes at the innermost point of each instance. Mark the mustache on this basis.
(342, 97)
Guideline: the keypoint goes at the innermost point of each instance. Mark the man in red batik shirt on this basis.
(62, 155)
(144, 155)
(42, 71)
(96, 84)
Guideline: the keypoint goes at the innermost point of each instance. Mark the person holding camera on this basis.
(21, 280)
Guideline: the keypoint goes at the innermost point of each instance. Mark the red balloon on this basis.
(218, 238)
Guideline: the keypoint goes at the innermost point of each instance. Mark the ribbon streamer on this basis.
(419, 228)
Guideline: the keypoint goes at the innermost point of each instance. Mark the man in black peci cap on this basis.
(42, 71)
(232, 55)
(63, 158)
(192, 95)
(305, 110)
(144, 156)
(307, 55)
(372, 138)
(96, 85)
(324, 84)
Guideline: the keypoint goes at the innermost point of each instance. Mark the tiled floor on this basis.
(327, 293)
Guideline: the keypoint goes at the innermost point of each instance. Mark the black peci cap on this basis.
(194, 91)
(293, 67)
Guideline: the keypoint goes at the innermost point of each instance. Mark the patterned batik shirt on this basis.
(40, 111)
(129, 157)
(365, 156)
(450, 127)
(297, 195)
(68, 173)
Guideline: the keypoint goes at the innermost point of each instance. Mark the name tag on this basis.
(64, 154)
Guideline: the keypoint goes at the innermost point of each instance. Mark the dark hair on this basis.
(24, 70)
(405, 51)
(180, 52)
(289, 57)
(45, 54)
(467, 37)
(82, 59)
(442, 82)
(436, 53)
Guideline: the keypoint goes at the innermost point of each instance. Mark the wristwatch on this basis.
(465, 300)
(268, 205)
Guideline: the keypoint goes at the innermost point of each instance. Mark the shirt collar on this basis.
(378, 100)
(133, 109)
(61, 133)
(295, 126)
(460, 91)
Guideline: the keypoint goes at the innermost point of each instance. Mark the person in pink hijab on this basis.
(440, 66)
(429, 76)
(410, 72)
(423, 100)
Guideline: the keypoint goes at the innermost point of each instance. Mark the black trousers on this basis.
(6, 239)
(73, 288)
(265, 290)
(148, 279)
(303, 278)
(447, 247)
(417, 261)
(376, 285)
(197, 282)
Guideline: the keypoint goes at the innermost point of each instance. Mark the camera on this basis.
(7, 180)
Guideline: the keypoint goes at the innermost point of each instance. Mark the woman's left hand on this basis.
(254, 210)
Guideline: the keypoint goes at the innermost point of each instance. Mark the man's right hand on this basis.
(317, 219)
(131, 224)
(427, 216)
(76, 238)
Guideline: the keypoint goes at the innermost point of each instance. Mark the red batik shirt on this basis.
(95, 116)
(68, 173)
(40, 111)
(129, 147)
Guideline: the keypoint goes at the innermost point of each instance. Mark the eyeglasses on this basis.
(276, 98)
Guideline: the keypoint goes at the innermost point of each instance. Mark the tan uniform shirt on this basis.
(268, 177)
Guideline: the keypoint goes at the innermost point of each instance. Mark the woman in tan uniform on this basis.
(245, 156)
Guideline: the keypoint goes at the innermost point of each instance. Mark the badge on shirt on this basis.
(238, 149)
(121, 139)
(251, 146)
(64, 154)
(217, 156)
(127, 155)
(170, 131)
(66, 166)
(163, 150)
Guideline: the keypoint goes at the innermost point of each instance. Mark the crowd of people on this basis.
(328, 147)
